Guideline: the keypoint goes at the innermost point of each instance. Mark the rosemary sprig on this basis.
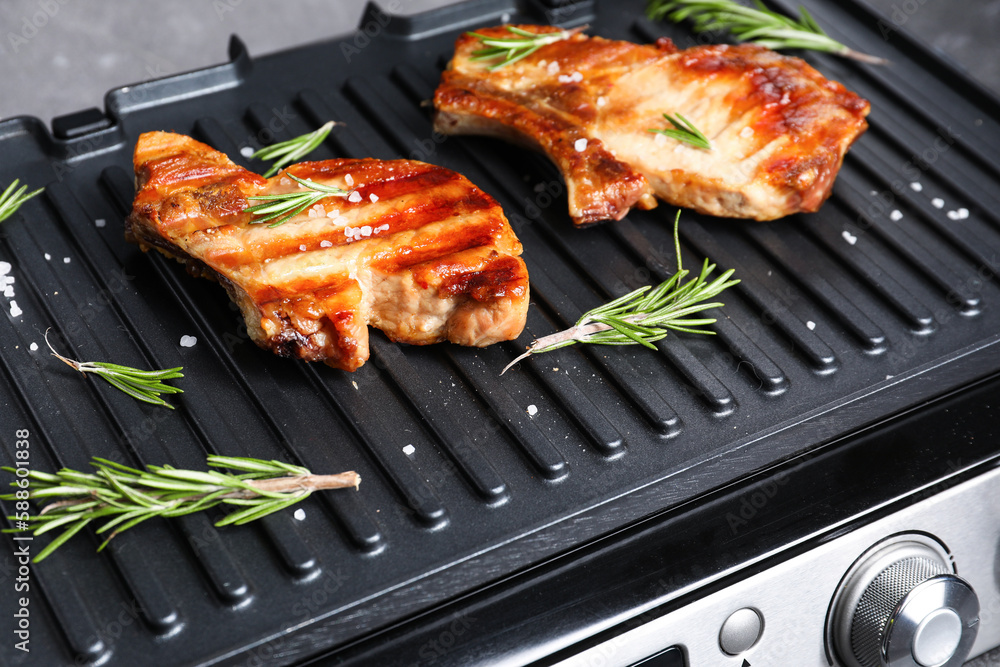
(142, 385)
(13, 197)
(684, 131)
(512, 49)
(287, 206)
(289, 151)
(755, 24)
(645, 315)
(127, 496)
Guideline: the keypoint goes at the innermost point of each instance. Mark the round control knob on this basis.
(903, 607)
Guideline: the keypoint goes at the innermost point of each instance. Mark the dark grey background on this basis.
(61, 56)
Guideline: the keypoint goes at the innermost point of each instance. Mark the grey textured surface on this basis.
(61, 56)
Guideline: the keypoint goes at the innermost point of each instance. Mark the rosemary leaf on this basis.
(126, 496)
(512, 49)
(13, 197)
(141, 385)
(646, 315)
(756, 24)
(684, 131)
(282, 208)
(286, 152)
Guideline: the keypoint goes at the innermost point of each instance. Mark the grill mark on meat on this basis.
(446, 268)
(779, 128)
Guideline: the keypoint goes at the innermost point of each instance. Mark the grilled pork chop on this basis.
(779, 130)
(417, 251)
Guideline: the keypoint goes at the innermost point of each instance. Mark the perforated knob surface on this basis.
(879, 601)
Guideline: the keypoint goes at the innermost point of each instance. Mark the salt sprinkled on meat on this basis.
(349, 179)
(601, 101)
(746, 132)
(286, 181)
(333, 214)
(383, 228)
(366, 230)
(552, 68)
(325, 244)
(373, 197)
(355, 197)
(580, 145)
(303, 248)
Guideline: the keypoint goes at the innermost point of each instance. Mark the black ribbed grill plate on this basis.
(877, 303)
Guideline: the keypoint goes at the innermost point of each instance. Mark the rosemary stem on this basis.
(342, 480)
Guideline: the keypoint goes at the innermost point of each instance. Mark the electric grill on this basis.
(746, 498)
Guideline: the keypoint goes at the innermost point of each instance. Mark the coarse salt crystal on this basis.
(66, 260)
(355, 197)
(601, 101)
(409, 450)
(8, 292)
(659, 139)
(325, 244)
(963, 213)
(849, 237)
(188, 341)
(746, 132)
(299, 514)
(539, 187)
(100, 222)
(532, 410)
(349, 179)
(896, 215)
(937, 202)
(383, 228)
(303, 247)
(810, 325)
(33, 347)
(313, 213)
(349, 231)
(14, 310)
(333, 214)
(505, 18)
(366, 230)
(48, 256)
(247, 151)
(286, 181)
(373, 197)
(552, 67)
(916, 187)
(580, 145)
(5, 268)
